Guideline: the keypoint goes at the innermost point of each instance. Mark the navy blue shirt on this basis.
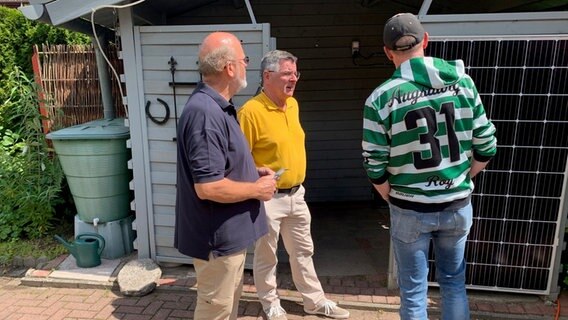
(210, 147)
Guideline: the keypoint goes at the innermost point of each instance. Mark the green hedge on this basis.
(18, 35)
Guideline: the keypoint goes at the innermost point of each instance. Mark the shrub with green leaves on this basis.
(18, 35)
(30, 174)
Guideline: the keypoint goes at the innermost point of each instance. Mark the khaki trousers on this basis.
(289, 216)
(219, 286)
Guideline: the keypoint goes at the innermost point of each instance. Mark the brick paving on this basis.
(38, 296)
(47, 302)
(365, 296)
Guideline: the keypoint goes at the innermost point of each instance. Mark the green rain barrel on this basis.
(94, 158)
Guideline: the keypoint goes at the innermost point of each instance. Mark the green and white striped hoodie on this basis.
(421, 129)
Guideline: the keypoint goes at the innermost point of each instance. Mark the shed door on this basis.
(158, 47)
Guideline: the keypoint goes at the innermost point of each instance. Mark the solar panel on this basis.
(518, 200)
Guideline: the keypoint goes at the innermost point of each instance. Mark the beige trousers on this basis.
(219, 286)
(289, 216)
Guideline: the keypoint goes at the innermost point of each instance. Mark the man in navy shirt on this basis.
(220, 192)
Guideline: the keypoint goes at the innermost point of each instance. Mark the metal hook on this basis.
(151, 117)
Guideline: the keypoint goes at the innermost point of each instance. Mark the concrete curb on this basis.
(32, 281)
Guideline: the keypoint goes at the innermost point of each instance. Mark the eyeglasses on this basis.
(288, 74)
(246, 59)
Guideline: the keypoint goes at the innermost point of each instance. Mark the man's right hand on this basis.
(266, 187)
(383, 190)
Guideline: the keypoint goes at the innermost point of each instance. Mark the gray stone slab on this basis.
(137, 278)
(68, 270)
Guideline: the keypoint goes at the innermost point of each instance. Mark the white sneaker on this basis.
(329, 309)
(275, 313)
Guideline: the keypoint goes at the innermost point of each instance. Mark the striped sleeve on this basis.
(375, 144)
(484, 142)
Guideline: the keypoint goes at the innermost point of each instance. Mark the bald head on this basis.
(215, 50)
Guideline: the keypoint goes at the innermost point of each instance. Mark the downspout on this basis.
(104, 78)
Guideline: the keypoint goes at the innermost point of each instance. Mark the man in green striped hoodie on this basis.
(425, 136)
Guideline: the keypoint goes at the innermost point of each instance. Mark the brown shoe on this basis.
(329, 309)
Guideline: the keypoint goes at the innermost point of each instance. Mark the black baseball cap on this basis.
(400, 25)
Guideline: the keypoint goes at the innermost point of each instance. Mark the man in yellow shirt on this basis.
(271, 124)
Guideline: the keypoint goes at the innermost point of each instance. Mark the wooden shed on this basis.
(339, 46)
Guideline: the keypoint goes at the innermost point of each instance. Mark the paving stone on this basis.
(41, 262)
(18, 261)
(30, 262)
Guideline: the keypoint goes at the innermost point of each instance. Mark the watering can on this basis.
(86, 249)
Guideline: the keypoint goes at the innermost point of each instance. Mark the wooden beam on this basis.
(543, 24)
(148, 15)
(369, 3)
(542, 5)
(504, 6)
(492, 6)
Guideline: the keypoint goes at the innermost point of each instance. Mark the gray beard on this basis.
(242, 84)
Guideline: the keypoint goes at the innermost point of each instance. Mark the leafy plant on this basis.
(19, 35)
(30, 174)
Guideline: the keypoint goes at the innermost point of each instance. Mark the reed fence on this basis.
(70, 81)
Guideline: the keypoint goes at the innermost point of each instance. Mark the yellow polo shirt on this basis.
(275, 137)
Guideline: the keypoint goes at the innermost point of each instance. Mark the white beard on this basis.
(242, 83)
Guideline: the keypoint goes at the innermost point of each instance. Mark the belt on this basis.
(289, 191)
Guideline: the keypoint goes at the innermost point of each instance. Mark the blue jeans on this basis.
(411, 233)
